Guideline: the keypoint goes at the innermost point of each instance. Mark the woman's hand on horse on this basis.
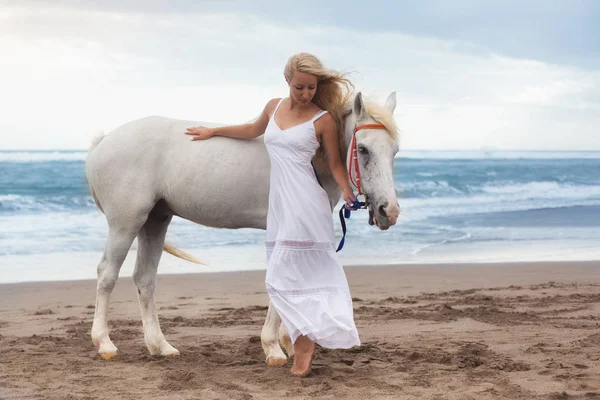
(200, 133)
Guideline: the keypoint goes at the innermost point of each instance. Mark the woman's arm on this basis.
(245, 131)
(331, 144)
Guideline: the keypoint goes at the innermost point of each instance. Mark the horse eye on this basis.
(363, 150)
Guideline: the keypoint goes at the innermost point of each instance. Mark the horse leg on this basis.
(285, 341)
(117, 246)
(151, 239)
(269, 338)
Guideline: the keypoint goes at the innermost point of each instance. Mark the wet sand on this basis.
(487, 331)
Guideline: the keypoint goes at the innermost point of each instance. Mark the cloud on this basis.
(560, 93)
(555, 32)
(73, 71)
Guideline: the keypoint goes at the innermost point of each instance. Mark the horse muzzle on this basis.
(384, 215)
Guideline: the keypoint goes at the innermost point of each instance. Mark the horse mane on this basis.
(382, 115)
(378, 112)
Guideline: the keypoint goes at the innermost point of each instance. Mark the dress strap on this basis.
(277, 108)
(319, 115)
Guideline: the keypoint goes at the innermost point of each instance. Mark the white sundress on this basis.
(305, 279)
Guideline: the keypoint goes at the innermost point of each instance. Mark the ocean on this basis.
(457, 206)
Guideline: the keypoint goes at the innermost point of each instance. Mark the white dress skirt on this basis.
(305, 279)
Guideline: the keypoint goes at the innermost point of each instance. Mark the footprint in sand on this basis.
(45, 311)
(67, 318)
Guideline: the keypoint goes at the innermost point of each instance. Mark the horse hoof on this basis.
(171, 353)
(276, 362)
(107, 356)
(164, 349)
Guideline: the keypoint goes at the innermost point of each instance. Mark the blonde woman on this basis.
(305, 280)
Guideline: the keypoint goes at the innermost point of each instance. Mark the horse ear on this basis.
(359, 106)
(390, 103)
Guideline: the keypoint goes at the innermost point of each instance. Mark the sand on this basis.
(488, 331)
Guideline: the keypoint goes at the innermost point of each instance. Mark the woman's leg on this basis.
(304, 349)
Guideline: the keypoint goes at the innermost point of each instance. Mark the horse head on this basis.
(373, 138)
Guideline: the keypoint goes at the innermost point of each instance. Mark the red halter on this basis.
(353, 162)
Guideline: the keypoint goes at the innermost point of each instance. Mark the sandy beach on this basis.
(464, 331)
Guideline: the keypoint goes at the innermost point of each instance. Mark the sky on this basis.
(468, 74)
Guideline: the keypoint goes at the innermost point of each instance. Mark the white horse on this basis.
(147, 171)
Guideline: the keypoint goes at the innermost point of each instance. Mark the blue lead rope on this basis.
(345, 213)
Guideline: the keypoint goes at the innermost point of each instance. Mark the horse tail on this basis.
(181, 254)
(95, 142)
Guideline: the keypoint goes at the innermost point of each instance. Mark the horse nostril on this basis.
(381, 210)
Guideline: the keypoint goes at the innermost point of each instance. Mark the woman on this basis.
(305, 279)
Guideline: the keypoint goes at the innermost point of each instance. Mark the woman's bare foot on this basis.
(303, 355)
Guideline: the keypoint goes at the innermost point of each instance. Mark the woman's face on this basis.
(303, 87)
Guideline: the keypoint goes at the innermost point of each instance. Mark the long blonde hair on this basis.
(333, 89)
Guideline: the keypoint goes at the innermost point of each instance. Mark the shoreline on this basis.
(370, 265)
(52, 267)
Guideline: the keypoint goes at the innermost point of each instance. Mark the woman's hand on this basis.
(350, 198)
(200, 133)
